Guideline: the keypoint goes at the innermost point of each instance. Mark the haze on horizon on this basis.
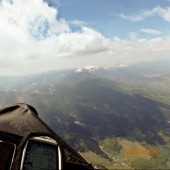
(38, 36)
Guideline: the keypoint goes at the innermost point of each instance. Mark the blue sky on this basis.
(56, 34)
(105, 15)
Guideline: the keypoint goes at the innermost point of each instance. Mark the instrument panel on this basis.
(40, 155)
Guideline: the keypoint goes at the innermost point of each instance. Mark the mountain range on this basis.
(88, 105)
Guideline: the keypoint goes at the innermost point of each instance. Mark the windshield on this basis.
(6, 155)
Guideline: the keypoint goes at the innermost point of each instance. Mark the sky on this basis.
(43, 35)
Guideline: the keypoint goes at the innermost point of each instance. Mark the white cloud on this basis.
(150, 31)
(164, 13)
(77, 23)
(133, 36)
(33, 39)
(31, 32)
(132, 17)
(140, 49)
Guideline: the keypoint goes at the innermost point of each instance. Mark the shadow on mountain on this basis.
(92, 109)
(103, 110)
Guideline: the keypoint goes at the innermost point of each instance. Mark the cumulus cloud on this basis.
(164, 13)
(34, 33)
(24, 27)
(150, 31)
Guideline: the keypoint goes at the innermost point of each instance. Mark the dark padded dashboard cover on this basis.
(22, 120)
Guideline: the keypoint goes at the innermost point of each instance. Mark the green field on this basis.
(123, 160)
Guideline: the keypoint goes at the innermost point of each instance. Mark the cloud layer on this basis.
(34, 39)
(164, 13)
(150, 31)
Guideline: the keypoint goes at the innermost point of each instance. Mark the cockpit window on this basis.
(6, 155)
